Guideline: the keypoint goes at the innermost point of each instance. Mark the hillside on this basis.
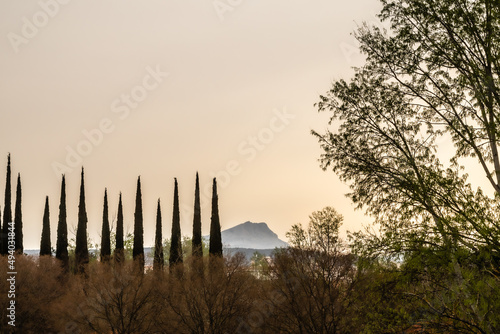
(251, 235)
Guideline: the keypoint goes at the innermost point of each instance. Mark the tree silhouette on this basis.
(119, 248)
(81, 250)
(158, 260)
(18, 219)
(215, 247)
(105, 234)
(7, 210)
(176, 242)
(45, 247)
(138, 251)
(62, 228)
(197, 248)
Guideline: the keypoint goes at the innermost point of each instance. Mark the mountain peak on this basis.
(251, 235)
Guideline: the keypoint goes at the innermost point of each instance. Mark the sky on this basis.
(165, 89)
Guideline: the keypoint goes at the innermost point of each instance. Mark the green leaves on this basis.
(428, 92)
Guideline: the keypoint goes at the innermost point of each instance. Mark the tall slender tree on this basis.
(119, 248)
(105, 234)
(7, 210)
(138, 250)
(176, 242)
(158, 260)
(18, 218)
(197, 246)
(45, 246)
(62, 229)
(81, 249)
(1, 232)
(215, 247)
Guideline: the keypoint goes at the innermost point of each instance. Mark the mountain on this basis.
(251, 235)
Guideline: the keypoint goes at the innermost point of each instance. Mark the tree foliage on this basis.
(81, 248)
(119, 245)
(138, 251)
(431, 82)
(62, 228)
(176, 238)
(197, 247)
(159, 260)
(45, 246)
(18, 218)
(7, 209)
(215, 244)
(105, 232)
(313, 277)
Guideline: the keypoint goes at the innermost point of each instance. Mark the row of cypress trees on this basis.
(7, 215)
(81, 249)
(176, 254)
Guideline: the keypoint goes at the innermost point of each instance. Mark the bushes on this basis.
(39, 285)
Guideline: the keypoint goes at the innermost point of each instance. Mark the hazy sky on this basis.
(165, 88)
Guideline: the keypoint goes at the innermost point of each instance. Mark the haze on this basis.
(164, 89)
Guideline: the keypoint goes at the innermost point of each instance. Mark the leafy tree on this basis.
(45, 246)
(7, 210)
(81, 248)
(62, 228)
(314, 278)
(138, 251)
(158, 255)
(119, 248)
(176, 241)
(432, 80)
(215, 246)
(197, 248)
(105, 234)
(18, 218)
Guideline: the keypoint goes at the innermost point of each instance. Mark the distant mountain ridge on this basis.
(251, 235)
(247, 236)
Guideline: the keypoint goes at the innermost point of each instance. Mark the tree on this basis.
(45, 247)
(81, 249)
(197, 247)
(216, 303)
(176, 240)
(110, 300)
(7, 210)
(215, 247)
(138, 251)
(314, 278)
(18, 218)
(119, 248)
(434, 79)
(158, 259)
(105, 234)
(38, 289)
(62, 229)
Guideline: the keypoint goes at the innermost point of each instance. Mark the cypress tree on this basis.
(119, 249)
(176, 242)
(158, 260)
(1, 232)
(7, 210)
(215, 247)
(105, 234)
(81, 249)
(138, 250)
(62, 229)
(18, 219)
(197, 247)
(45, 247)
